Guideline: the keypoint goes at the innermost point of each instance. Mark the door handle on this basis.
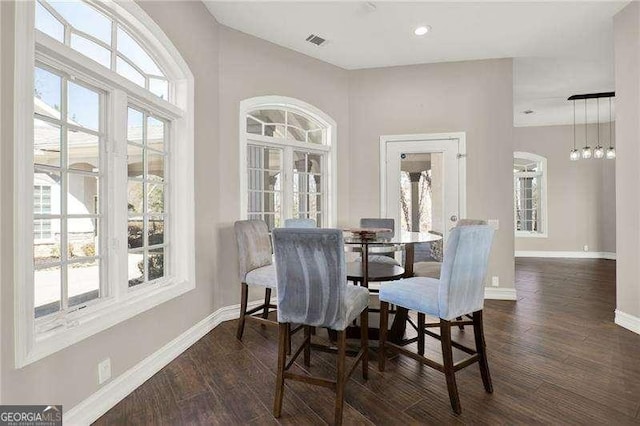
(454, 218)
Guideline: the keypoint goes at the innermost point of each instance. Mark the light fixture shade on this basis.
(587, 152)
(611, 153)
(598, 152)
(574, 155)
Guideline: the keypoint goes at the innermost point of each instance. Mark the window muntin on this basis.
(68, 133)
(529, 194)
(147, 161)
(265, 176)
(90, 31)
(308, 186)
(284, 124)
(287, 166)
(49, 24)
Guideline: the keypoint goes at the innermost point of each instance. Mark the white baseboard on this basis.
(117, 389)
(497, 293)
(567, 254)
(627, 321)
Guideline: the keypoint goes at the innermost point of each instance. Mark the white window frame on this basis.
(330, 186)
(120, 302)
(542, 187)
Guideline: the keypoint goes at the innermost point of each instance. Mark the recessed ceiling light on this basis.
(422, 30)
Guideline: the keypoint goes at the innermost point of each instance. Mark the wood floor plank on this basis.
(555, 357)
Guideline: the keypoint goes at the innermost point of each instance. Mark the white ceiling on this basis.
(560, 48)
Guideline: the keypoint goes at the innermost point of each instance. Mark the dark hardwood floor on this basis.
(556, 357)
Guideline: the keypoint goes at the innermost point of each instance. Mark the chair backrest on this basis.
(436, 246)
(300, 223)
(469, 222)
(312, 276)
(254, 245)
(379, 223)
(466, 258)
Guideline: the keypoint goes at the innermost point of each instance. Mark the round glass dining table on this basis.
(383, 243)
(380, 243)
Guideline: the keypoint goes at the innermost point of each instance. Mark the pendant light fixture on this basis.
(611, 151)
(598, 152)
(574, 155)
(586, 151)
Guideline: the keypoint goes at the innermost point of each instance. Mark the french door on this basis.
(422, 183)
(286, 182)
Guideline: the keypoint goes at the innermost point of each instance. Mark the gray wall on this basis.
(69, 376)
(580, 194)
(474, 97)
(627, 72)
(252, 67)
(229, 66)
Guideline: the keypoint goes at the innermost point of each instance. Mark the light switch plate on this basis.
(494, 223)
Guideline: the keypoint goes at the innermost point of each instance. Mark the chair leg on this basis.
(364, 342)
(481, 348)
(461, 326)
(307, 345)
(340, 375)
(288, 343)
(283, 332)
(447, 358)
(421, 320)
(267, 301)
(243, 310)
(384, 324)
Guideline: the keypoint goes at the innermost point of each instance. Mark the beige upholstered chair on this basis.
(384, 224)
(255, 269)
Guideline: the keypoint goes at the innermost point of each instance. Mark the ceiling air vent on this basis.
(317, 40)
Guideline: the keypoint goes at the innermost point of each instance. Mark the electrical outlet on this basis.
(494, 223)
(104, 371)
(585, 248)
(495, 281)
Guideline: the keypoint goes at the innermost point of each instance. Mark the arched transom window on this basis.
(289, 151)
(96, 33)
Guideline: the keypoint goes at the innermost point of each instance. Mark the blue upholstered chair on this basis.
(313, 291)
(458, 292)
(300, 223)
(432, 269)
(255, 268)
(385, 224)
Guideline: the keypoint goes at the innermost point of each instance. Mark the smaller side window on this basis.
(530, 193)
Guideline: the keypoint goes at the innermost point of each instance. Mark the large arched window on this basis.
(104, 176)
(287, 156)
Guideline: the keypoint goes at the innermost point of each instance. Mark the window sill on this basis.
(524, 234)
(110, 312)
